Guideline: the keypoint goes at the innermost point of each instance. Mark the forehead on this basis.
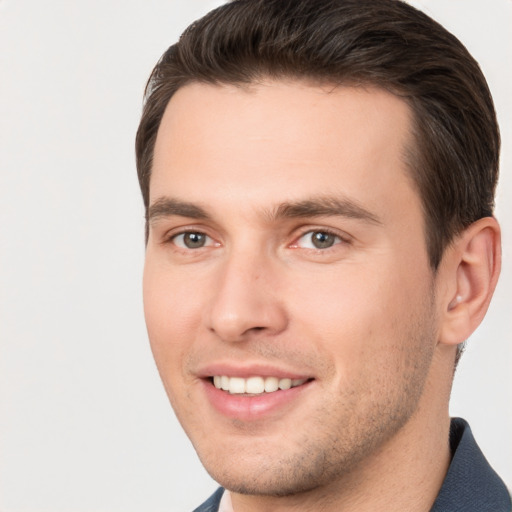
(276, 141)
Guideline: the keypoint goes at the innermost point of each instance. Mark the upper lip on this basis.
(246, 370)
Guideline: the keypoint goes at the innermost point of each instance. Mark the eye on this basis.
(192, 240)
(318, 240)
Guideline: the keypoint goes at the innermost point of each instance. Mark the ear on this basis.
(471, 271)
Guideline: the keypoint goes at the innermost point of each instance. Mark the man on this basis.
(318, 177)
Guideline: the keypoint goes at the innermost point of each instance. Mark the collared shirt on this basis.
(470, 485)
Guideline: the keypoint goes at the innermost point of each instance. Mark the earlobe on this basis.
(472, 269)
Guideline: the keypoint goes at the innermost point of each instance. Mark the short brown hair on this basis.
(385, 43)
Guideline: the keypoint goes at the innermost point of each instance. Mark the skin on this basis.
(365, 319)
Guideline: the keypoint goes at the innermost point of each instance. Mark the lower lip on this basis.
(252, 408)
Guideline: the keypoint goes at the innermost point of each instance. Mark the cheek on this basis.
(171, 321)
(358, 316)
(170, 317)
(341, 303)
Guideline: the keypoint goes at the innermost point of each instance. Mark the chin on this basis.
(270, 473)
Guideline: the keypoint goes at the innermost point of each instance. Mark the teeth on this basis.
(254, 385)
(271, 384)
(285, 383)
(236, 385)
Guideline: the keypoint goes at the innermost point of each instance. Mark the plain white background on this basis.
(84, 421)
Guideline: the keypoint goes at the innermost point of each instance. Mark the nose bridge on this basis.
(245, 300)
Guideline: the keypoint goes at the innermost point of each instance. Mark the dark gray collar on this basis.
(470, 485)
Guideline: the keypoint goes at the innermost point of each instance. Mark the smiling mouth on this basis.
(254, 385)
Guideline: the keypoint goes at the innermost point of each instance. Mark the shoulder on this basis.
(212, 503)
(470, 484)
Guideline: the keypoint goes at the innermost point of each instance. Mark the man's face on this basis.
(286, 248)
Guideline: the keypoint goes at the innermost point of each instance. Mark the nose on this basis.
(246, 301)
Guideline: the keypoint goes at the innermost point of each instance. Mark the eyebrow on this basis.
(324, 206)
(329, 206)
(167, 207)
